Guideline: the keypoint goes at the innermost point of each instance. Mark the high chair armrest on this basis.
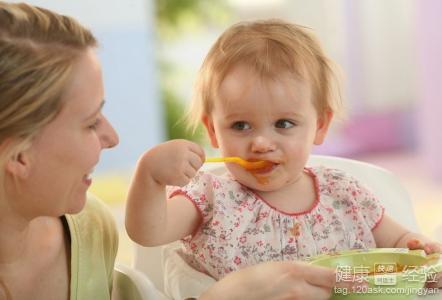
(129, 283)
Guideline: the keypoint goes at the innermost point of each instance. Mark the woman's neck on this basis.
(21, 239)
(34, 258)
(15, 238)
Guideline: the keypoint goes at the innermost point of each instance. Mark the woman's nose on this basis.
(262, 144)
(109, 137)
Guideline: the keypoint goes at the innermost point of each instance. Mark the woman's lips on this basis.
(87, 179)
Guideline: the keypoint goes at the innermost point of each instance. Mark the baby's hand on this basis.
(174, 162)
(435, 280)
(429, 248)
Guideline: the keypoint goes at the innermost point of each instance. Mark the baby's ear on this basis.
(208, 123)
(322, 126)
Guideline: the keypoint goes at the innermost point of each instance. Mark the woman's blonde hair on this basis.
(38, 49)
(270, 47)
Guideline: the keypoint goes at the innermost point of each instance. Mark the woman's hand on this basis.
(276, 281)
(174, 162)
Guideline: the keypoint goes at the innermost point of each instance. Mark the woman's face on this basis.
(63, 155)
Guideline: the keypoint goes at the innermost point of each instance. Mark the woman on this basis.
(52, 132)
(55, 242)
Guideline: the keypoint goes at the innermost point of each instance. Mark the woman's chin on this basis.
(77, 206)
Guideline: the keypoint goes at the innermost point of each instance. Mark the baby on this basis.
(266, 91)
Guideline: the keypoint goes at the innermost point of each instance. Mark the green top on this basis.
(94, 245)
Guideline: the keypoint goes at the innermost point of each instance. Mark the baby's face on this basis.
(265, 119)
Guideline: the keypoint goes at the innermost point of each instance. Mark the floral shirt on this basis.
(240, 229)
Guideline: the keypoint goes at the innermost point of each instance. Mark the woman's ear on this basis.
(18, 165)
(208, 123)
(322, 126)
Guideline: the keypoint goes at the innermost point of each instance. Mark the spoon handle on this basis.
(221, 159)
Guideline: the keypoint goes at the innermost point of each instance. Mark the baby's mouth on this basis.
(266, 169)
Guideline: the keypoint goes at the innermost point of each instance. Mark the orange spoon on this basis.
(248, 165)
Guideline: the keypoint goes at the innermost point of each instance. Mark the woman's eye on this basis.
(241, 125)
(94, 125)
(284, 124)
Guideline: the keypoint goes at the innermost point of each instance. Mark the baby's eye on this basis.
(284, 124)
(240, 125)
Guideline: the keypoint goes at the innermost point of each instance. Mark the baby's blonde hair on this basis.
(270, 47)
(38, 49)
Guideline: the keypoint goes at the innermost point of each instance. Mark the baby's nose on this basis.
(262, 144)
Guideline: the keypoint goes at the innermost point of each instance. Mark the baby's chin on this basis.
(259, 184)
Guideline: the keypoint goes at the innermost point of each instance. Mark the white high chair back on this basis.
(384, 184)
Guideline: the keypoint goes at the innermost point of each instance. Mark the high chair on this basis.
(151, 261)
(130, 284)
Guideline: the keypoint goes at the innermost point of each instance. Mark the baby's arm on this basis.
(151, 219)
(390, 234)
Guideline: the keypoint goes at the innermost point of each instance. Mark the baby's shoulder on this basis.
(339, 184)
(327, 175)
(334, 181)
